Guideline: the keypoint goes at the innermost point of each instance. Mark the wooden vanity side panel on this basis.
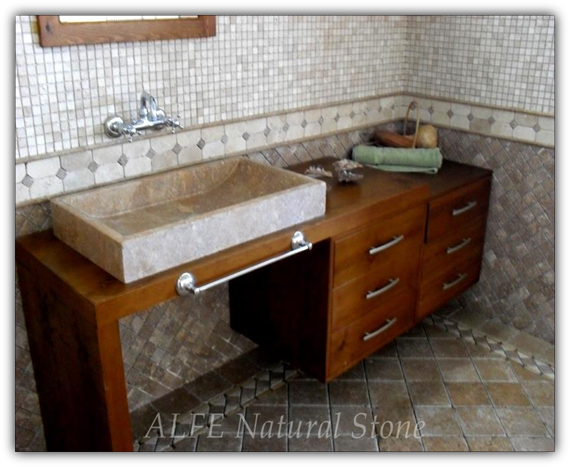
(284, 307)
(78, 368)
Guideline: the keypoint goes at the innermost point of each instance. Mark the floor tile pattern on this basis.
(470, 397)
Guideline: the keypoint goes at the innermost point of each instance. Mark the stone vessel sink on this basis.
(141, 227)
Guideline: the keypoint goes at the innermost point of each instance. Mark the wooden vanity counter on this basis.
(72, 306)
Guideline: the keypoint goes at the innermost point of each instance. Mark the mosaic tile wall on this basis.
(254, 65)
(177, 341)
(517, 279)
(505, 61)
(44, 178)
(170, 344)
(47, 177)
(512, 125)
(63, 93)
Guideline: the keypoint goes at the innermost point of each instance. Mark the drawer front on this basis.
(455, 210)
(373, 291)
(381, 245)
(436, 292)
(365, 336)
(441, 256)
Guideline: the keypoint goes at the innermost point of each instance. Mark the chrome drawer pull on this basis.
(385, 246)
(464, 243)
(448, 285)
(374, 293)
(388, 325)
(186, 283)
(467, 207)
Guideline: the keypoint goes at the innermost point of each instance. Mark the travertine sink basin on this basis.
(141, 227)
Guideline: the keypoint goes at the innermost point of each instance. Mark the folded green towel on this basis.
(399, 159)
(404, 168)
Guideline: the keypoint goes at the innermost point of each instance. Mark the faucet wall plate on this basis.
(111, 124)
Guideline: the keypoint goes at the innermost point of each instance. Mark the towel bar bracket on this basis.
(187, 284)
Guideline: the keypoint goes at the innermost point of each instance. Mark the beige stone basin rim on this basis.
(128, 234)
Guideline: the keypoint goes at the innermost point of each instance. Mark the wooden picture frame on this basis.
(55, 33)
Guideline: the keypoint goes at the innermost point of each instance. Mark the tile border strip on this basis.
(508, 352)
(407, 96)
(200, 126)
(42, 178)
(233, 400)
(479, 104)
(512, 125)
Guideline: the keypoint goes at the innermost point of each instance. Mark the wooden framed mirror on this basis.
(72, 30)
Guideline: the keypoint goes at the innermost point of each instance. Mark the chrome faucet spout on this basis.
(150, 117)
(147, 107)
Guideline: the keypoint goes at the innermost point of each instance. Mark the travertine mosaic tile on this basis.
(47, 177)
(51, 176)
(497, 406)
(257, 65)
(163, 351)
(64, 93)
(517, 279)
(489, 121)
(506, 61)
(534, 362)
(254, 65)
(171, 344)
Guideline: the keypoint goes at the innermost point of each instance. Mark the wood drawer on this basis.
(439, 257)
(372, 291)
(348, 345)
(352, 257)
(435, 292)
(457, 209)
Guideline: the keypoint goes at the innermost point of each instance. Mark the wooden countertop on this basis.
(105, 299)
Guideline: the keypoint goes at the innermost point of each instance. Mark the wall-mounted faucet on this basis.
(150, 117)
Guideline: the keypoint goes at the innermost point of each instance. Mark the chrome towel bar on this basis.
(186, 283)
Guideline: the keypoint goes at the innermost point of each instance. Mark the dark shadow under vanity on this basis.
(389, 250)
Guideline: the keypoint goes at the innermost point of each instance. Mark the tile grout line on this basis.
(444, 323)
(455, 414)
(372, 411)
(399, 359)
(488, 394)
(333, 444)
(240, 406)
(282, 365)
(534, 406)
(494, 406)
(287, 446)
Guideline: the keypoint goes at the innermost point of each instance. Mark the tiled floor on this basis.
(517, 346)
(469, 398)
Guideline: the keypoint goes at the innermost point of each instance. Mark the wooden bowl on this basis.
(394, 140)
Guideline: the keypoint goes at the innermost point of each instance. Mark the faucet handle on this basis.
(130, 131)
(174, 123)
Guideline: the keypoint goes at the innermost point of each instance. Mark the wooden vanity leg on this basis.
(78, 368)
